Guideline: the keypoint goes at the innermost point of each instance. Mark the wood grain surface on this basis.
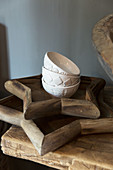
(80, 108)
(88, 151)
(102, 36)
(95, 151)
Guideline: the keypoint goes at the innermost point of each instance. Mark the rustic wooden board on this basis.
(42, 131)
(17, 144)
(24, 89)
(90, 151)
(93, 151)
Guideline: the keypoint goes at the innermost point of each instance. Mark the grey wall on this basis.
(29, 28)
(34, 27)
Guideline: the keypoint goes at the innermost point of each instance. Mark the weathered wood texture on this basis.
(102, 36)
(92, 126)
(43, 109)
(21, 91)
(35, 109)
(60, 134)
(91, 151)
(80, 108)
(72, 107)
(24, 88)
(57, 130)
(41, 141)
(104, 104)
(77, 165)
(93, 90)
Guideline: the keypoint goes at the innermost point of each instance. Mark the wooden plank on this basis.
(104, 125)
(92, 150)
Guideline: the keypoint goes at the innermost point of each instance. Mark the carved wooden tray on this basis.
(49, 133)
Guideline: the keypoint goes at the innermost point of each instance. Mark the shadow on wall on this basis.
(4, 68)
(3, 77)
(13, 163)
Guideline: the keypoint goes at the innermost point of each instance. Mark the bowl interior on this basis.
(63, 63)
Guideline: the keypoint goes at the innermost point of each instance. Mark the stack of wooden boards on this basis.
(49, 122)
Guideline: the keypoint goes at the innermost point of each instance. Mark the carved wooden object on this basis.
(38, 138)
(34, 110)
(92, 151)
(103, 41)
(34, 98)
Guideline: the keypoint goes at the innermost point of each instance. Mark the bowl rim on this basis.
(77, 68)
(60, 87)
(72, 76)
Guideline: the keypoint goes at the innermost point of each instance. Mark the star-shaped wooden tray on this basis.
(52, 129)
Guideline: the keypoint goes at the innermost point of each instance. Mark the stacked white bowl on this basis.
(60, 76)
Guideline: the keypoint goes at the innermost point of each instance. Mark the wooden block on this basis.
(94, 151)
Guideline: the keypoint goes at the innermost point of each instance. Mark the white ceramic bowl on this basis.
(56, 79)
(60, 91)
(60, 64)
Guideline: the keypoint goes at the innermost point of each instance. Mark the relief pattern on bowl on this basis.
(56, 79)
(59, 80)
(60, 92)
